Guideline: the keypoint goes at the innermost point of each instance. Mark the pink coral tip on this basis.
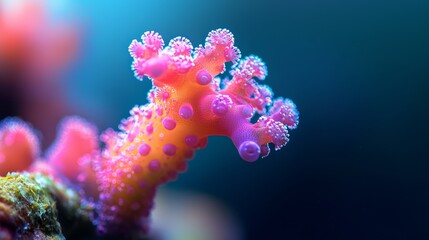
(278, 133)
(180, 46)
(19, 146)
(152, 40)
(220, 37)
(251, 66)
(232, 54)
(76, 139)
(136, 49)
(285, 111)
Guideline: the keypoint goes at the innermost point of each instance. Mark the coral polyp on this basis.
(188, 103)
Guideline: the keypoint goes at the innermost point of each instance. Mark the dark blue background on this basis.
(356, 167)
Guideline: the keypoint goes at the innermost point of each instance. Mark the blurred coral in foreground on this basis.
(19, 146)
(187, 215)
(187, 104)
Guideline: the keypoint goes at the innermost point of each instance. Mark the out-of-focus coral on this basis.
(19, 146)
(33, 40)
(29, 206)
(73, 149)
(187, 104)
(188, 215)
(35, 49)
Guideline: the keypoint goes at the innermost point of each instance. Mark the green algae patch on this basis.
(27, 206)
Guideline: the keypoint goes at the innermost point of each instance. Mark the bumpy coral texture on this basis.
(187, 104)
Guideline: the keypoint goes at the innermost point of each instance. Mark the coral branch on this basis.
(185, 106)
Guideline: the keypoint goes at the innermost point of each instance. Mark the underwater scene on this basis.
(214, 120)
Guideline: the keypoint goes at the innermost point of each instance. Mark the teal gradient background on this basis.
(356, 167)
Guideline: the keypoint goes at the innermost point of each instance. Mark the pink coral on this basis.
(75, 143)
(19, 146)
